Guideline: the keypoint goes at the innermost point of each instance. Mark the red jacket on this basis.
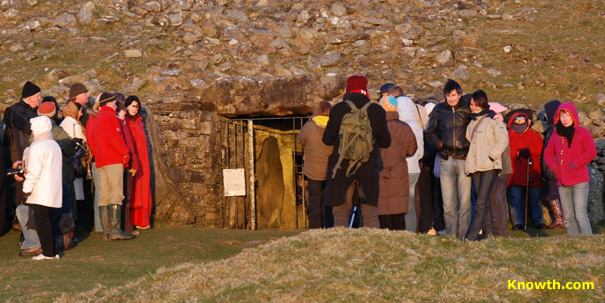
(570, 162)
(89, 137)
(528, 139)
(108, 141)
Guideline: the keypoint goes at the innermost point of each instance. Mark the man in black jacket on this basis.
(18, 131)
(446, 131)
(339, 190)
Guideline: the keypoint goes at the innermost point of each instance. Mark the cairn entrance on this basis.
(262, 184)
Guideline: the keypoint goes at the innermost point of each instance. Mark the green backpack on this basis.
(356, 141)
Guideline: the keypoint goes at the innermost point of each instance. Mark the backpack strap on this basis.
(340, 155)
(476, 126)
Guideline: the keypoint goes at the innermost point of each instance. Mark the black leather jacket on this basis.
(446, 129)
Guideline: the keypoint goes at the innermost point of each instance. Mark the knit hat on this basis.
(47, 109)
(76, 89)
(357, 84)
(389, 103)
(40, 124)
(29, 89)
(550, 109)
(496, 107)
(385, 87)
(105, 98)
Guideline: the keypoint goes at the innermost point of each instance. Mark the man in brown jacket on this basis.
(394, 194)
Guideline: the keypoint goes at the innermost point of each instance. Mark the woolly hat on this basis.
(550, 109)
(40, 125)
(385, 87)
(105, 98)
(389, 103)
(357, 84)
(496, 107)
(76, 89)
(47, 109)
(29, 89)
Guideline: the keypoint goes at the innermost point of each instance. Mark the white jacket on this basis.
(43, 162)
(73, 128)
(407, 113)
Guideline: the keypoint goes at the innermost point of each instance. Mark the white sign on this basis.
(234, 182)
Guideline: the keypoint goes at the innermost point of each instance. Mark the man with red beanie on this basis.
(111, 155)
(339, 189)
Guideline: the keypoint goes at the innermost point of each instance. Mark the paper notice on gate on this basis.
(234, 182)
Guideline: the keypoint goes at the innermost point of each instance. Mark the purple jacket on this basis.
(570, 162)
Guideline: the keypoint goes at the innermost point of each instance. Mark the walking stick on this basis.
(527, 193)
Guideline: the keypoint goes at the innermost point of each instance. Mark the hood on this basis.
(550, 109)
(572, 110)
(40, 125)
(517, 114)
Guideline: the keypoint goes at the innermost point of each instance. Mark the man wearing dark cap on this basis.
(79, 94)
(339, 188)
(111, 156)
(384, 90)
(18, 131)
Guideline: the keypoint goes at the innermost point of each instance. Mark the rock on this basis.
(197, 83)
(596, 131)
(17, 47)
(69, 80)
(362, 47)
(280, 71)
(507, 16)
(467, 13)
(261, 38)
(31, 25)
(85, 15)
(444, 57)
(595, 114)
(263, 60)
(32, 2)
(153, 6)
(601, 100)
(175, 19)
(507, 49)
(494, 72)
(596, 212)
(65, 20)
(330, 58)
(600, 143)
(338, 10)
(461, 73)
(133, 53)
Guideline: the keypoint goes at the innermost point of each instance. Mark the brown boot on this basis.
(557, 210)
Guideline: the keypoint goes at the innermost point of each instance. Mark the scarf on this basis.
(486, 111)
(321, 121)
(566, 132)
(519, 128)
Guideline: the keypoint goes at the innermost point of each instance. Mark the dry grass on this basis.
(367, 265)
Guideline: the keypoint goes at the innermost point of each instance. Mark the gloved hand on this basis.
(132, 172)
(524, 153)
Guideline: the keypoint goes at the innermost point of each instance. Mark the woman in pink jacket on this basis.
(569, 151)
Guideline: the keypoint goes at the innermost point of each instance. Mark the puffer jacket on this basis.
(446, 129)
(394, 193)
(570, 162)
(488, 142)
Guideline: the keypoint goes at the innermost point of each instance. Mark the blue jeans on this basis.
(516, 198)
(574, 200)
(410, 216)
(30, 235)
(456, 194)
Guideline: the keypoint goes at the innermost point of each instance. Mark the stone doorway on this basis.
(262, 185)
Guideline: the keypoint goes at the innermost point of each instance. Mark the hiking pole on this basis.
(353, 216)
(526, 193)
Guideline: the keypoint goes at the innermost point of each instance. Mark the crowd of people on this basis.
(455, 168)
(82, 165)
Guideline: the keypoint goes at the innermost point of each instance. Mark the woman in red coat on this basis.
(525, 151)
(569, 151)
(140, 196)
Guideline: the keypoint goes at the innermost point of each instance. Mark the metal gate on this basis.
(238, 143)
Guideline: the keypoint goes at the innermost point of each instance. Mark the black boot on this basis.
(114, 212)
(105, 222)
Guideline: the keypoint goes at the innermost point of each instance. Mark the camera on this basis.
(19, 171)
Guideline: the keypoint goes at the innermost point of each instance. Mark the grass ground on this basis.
(98, 262)
(184, 264)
